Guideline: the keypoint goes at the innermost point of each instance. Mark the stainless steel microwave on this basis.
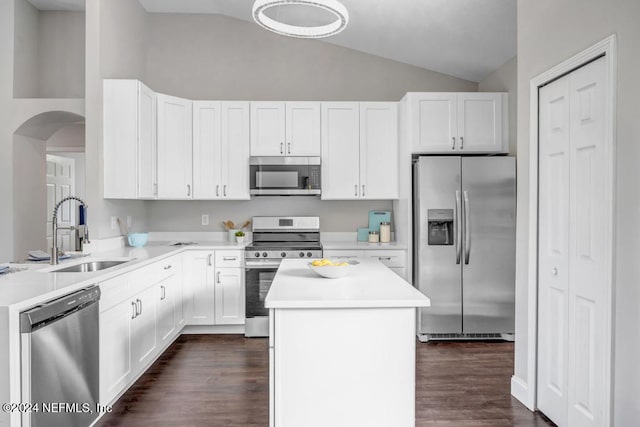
(285, 176)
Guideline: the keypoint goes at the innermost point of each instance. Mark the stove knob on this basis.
(264, 254)
(309, 254)
(283, 254)
(301, 254)
(257, 254)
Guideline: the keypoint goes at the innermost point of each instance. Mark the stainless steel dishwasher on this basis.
(59, 346)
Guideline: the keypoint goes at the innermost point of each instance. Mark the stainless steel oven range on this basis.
(274, 238)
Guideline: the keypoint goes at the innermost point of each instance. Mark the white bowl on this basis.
(334, 271)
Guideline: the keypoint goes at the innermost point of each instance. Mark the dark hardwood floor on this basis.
(222, 380)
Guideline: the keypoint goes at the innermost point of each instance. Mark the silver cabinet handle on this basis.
(467, 228)
(229, 258)
(458, 226)
(384, 258)
(218, 277)
(167, 267)
(163, 293)
(155, 189)
(282, 148)
(453, 142)
(289, 147)
(188, 190)
(462, 142)
(134, 309)
(138, 304)
(217, 190)
(209, 259)
(362, 190)
(356, 190)
(224, 190)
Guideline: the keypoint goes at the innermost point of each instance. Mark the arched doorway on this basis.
(58, 133)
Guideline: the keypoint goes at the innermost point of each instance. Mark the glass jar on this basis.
(385, 232)
(374, 237)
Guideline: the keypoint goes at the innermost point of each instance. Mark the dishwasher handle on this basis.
(54, 310)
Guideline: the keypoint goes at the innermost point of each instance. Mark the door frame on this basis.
(527, 391)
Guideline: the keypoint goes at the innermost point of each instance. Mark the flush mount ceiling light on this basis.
(334, 7)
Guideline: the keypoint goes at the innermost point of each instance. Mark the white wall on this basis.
(68, 138)
(61, 53)
(550, 31)
(25, 62)
(218, 57)
(187, 216)
(116, 30)
(30, 201)
(505, 79)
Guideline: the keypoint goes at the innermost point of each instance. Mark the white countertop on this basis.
(355, 245)
(371, 285)
(24, 289)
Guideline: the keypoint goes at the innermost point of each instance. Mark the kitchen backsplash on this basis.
(335, 216)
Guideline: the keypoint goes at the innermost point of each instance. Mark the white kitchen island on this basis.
(342, 351)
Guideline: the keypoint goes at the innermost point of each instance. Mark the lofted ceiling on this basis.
(463, 38)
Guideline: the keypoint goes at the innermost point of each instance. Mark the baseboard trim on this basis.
(520, 390)
(213, 329)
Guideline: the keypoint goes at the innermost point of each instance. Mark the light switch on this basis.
(114, 222)
(129, 221)
(205, 219)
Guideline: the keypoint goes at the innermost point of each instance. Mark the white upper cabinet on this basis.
(379, 150)
(129, 140)
(174, 148)
(285, 129)
(340, 150)
(221, 150)
(359, 150)
(234, 175)
(458, 122)
(302, 128)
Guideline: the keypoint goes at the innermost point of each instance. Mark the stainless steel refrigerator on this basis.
(464, 245)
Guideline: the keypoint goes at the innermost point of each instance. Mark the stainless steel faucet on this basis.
(83, 228)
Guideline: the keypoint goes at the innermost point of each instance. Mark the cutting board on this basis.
(376, 217)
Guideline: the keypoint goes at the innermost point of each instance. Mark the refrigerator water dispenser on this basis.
(440, 224)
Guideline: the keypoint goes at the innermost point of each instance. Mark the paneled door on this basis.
(60, 184)
(302, 128)
(572, 267)
(267, 129)
(479, 122)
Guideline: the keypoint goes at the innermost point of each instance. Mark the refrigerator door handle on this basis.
(467, 231)
(458, 227)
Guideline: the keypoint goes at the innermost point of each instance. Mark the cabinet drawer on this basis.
(389, 258)
(228, 259)
(343, 254)
(114, 291)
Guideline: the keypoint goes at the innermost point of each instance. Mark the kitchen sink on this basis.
(88, 266)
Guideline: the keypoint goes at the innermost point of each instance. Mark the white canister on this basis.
(385, 232)
(374, 237)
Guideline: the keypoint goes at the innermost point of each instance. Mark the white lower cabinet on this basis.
(139, 316)
(214, 286)
(395, 259)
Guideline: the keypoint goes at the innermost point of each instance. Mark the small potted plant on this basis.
(239, 236)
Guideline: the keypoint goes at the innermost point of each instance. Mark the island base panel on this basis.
(343, 367)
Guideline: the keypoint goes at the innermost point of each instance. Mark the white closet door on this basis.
(553, 248)
(588, 247)
(573, 249)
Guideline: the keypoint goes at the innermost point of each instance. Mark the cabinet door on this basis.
(379, 150)
(267, 129)
(235, 151)
(434, 124)
(120, 138)
(480, 122)
(199, 287)
(206, 150)
(143, 330)
(147, 144)
(340, 150)
(166, 299)
(174, 148)
(115, 349)
(229, 296)
(302, 128)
